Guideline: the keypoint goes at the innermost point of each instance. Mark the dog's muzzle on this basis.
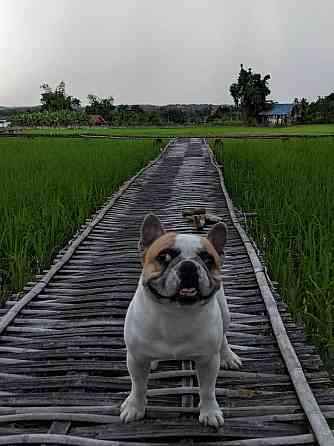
(188, 297)
(188, 292)
(188, 279)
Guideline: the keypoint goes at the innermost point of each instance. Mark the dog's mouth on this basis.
(188, 296)
(184, 296)
(188, 292)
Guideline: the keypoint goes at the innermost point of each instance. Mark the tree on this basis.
(319, 111)
(137, 109)
(172, 114)
(101, 106)
(235, 93)
(57, 100)
(250, 93)
(301, 110)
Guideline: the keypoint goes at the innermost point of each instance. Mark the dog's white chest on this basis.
(178, 334)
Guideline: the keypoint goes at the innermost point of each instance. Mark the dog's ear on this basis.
(151, 229)
(218, 236)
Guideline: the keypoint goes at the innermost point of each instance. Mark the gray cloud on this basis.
(153, 51)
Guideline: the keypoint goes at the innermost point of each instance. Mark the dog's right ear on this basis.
(151, 229)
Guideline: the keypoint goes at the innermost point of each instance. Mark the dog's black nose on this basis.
(188, 267)
(188, 274)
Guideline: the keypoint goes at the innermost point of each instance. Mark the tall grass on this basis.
(290, 187)
(48, 188)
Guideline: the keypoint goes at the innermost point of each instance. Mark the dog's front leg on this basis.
(207, 371)
(133, 408)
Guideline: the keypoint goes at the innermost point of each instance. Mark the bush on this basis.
(50, 119)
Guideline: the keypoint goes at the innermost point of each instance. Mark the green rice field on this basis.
(316, 129)
(48, 188)
(287, 187)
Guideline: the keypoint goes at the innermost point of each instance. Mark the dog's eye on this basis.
(167, 256)
(207, 259)
(164, 257)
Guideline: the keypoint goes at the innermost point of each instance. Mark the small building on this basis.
(279, 114)
(96, 120)
(4, 123)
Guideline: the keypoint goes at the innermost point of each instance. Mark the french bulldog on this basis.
(179, 311)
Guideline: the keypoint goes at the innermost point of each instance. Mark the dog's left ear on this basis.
(151, 230)
(218, 236)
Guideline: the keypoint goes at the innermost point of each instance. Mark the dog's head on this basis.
(178, 267)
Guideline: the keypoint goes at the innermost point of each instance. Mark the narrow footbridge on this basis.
(62, 356)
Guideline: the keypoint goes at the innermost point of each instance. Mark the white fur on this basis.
(188, 244)
(172, 331)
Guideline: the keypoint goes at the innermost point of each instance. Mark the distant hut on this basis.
(4, 123)
(279, 114)
(96, 120)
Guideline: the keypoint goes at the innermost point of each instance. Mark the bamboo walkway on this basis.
(62, 356)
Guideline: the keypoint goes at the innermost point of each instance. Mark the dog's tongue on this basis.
(188, 292)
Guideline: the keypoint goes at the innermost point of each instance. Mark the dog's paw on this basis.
(131, 409)
(229, 360)
(154, 365)
(211, 416)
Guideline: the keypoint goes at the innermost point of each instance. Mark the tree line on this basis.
(320, 111)
(60, 109)
(249, 95)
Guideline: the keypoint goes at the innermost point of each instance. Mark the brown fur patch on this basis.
(207, 245)
(151, 267)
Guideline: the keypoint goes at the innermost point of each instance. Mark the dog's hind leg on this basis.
(228, 359)
(133, 408)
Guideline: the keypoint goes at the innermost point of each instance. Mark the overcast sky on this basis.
(164, 51)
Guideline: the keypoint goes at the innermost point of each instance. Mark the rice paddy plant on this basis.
(198, 130)
(289, 187)
(48, 188)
